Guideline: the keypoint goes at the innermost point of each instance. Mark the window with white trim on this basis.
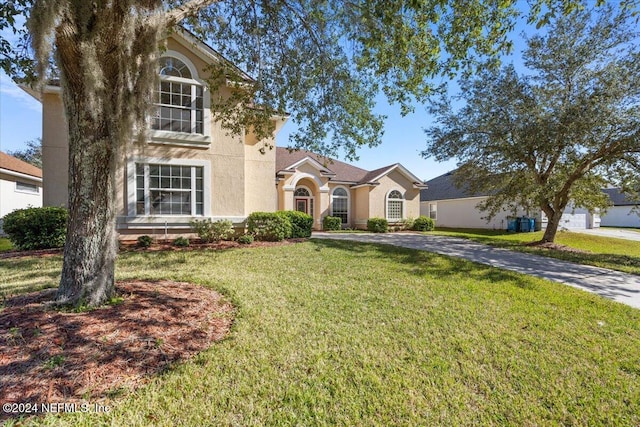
(179, 99)
(340, 204)
(25, 187)
(395, 206)
(433, 211)
(169, 189)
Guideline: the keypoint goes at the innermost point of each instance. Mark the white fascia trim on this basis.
(313, 163)
(36, 94)
(131, 181)
(20, 175)
(403, 171)
(368, 184)
(204, 51)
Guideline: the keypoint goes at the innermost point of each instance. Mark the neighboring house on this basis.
(454, 207)
(191, 167)
(623, 213)
(322, 186)
(20, 185)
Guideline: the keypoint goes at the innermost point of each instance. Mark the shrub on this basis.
(245, 239)
(407, 224)
(331, 223)
(37, 228)
(181, 242)
(269, 226)
(423, 223)
(145, 241)
(377, 225)
(301, 223)
(212, 231)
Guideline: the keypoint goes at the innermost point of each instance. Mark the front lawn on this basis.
(342, 333)
(606, 252)
(5, 244)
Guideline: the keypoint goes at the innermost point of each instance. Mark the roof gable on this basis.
(287, 159)
(13, 164)
(443, 187)
(618, 198)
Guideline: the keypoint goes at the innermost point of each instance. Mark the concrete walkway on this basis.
(618, 286)
(617, 233)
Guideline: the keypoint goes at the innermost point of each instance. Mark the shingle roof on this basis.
(444, 188)
(344, 171)
(618, 198)
(16, 165)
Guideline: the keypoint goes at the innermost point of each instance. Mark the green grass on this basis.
(342, 333)
(5, 244)
(606, 252)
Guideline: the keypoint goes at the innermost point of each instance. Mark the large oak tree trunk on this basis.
(91, 244)
(107, 67)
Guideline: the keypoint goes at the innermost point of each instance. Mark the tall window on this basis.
(179, 99)
(395, 206)
(340, 204)
(433, 211)
(169, 190)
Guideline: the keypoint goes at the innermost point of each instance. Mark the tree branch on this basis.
(190, 8)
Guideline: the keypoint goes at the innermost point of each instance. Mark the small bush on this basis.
(331, 223)
(377, 225)
(301, 223)
(145, 241)
(181, 242)
(37, 228)
(423, 223)
(212, 231)
(269, 226)
(407, 224)
(245, 239)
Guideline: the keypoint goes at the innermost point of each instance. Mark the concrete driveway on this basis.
(618, 233)
(621, 287)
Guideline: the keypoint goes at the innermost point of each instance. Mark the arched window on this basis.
(340, 204)
(302, 192)
(179, 98)
(395, 206)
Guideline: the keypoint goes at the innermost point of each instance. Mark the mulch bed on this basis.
(132, 246)
(52, 356)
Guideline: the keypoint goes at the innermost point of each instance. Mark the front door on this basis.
(302, 205)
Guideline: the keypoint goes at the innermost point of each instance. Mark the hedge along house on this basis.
(189, 167)
(321, 186)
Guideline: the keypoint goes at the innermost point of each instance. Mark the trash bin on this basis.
(524, 225)
(512, 224)
(532, 224)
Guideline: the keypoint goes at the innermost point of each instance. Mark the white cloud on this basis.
(11, 93)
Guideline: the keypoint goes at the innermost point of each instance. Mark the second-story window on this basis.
(179, 99)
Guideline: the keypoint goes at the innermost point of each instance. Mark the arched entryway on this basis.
(303, 200)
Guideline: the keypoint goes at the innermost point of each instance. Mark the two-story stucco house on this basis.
(190, 167)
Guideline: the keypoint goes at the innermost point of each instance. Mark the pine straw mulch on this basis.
(52, 356)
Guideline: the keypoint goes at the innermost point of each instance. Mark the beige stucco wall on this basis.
(394, 180)
(241, 178)
(361, 207)
(55, 151)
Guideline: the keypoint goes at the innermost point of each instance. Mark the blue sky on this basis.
(21, 121)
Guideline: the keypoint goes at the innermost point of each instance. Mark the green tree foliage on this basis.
(32, 154)
(321, 61)
(558, 133)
